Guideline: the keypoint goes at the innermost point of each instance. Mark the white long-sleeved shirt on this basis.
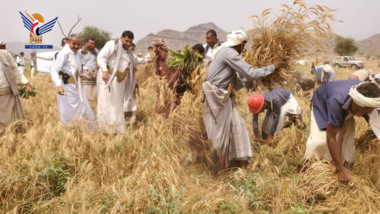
(139, 60)
(210, 50)
(62, 63)
(19, 75)
(106, 57)
(20, 60)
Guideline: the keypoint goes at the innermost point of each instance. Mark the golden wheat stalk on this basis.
(294, 33)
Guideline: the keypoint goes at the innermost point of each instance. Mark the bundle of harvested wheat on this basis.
(292, 34)
(189, 114)
(143, 72)
(321, 189)
(164, 96)
(188, 65)
(192, 76)
(368, 159)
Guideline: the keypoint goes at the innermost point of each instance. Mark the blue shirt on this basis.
(331, 103)
(275, 100)
(327, 77)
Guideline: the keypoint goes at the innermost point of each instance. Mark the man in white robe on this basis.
(116, 61)
(21, 62)
(33, 64)
(72, 101)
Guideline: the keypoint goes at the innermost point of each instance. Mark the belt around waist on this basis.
(120, 76)
(67, 79)
(5, 90)
(88, 82)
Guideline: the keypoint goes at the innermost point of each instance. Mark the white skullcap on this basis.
(327, 68)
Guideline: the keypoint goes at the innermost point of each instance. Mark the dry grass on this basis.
(290, 35)
(55, 169)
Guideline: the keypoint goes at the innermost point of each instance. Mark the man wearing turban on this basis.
(225, 127)
(322, 74)
(332, 126)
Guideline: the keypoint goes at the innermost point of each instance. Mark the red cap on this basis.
(255, 103)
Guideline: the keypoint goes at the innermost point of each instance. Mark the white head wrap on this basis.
(234, 38)
(361, 100)
(377, 76)
(327, 68)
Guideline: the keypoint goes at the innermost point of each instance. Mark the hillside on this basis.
(176, 40)
(370, 45)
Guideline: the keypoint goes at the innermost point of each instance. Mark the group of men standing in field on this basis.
(109, 76)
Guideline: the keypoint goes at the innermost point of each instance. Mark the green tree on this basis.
(100, 36)
(345, 46)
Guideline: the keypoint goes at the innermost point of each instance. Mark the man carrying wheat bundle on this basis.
(225, 127)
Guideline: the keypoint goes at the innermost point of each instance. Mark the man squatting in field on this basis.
(10, 102)
(332, 126)
(322, 74)
(282, 110)
(224, 126)
(66, 72)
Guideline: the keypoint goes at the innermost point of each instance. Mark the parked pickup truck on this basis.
(347, 62)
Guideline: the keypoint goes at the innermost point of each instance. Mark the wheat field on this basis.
(55, 169)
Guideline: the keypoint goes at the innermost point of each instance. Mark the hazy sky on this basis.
(360, 18)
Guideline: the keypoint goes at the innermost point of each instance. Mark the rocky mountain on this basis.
(177, 40)
(370, 45)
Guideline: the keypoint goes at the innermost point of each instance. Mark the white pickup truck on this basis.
(347, 62)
